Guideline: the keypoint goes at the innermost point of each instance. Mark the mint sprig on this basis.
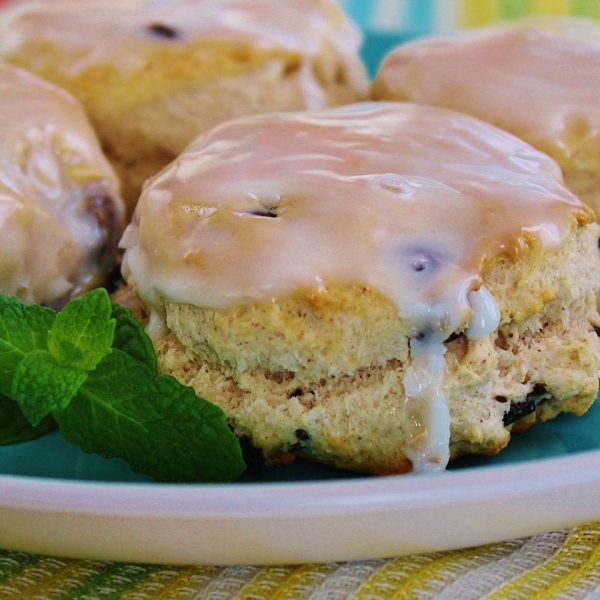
(42, 386)
(23, 329)
(49, 370)
(131, 337)
(92, 369)
(83, 331)
(145, 416)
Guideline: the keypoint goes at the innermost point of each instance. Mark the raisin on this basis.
(161, 30)
(419, 265)
(102, 209)
(263, 213)
(518, 410)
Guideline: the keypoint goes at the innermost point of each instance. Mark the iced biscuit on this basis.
(153, 75)
(537, 78)
(61, 215)
(380, 287)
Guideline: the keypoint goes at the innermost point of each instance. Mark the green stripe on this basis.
(584, 8)
(112, 581)
(14, 563)
(513, 9)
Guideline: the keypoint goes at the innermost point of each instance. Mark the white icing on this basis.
(427, 416)
(116, 32)
(51, 163)
(536, 77)
(486, 315)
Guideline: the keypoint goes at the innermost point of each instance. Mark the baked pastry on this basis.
(380, 287)
(153, 75)
(537, 78)
(61, 215)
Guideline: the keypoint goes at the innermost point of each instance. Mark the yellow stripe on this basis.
(556, 572)
(586, 547)
(169, 582)
(449, 568)
(392, 576)
(266, 582)
(478, 13)
(426, 574)
(550, 7)
(302, 579)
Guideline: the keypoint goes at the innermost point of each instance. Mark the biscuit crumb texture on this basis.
(320, 375)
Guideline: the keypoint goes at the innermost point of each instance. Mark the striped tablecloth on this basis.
(556, 565)
(560, 565)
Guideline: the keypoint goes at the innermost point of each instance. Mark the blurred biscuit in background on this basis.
(61, 215)
(537, 78)
(153, 75)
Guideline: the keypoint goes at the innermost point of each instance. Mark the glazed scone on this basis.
(61, 214)
(380, 287)
(153, 75)
(537, 78)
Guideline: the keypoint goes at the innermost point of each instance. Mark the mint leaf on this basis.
(94, 369)
(14, 426)
(83, 331)
(41, 386)
(131, 337)
(23, 329)
(158, 426)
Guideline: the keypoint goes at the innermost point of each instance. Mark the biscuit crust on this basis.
(320, 375)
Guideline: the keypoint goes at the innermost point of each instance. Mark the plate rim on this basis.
(327, 496)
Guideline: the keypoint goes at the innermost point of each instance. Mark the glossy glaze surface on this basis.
(537, 77)
(54, 184)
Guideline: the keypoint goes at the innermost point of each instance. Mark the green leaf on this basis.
(159, 427)
(41, 386)
(83, 331)
(131, 337)
(14, 426)
(107, 400)
(23, 329)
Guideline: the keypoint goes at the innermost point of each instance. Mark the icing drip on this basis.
(427, 417)
(486, 315)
